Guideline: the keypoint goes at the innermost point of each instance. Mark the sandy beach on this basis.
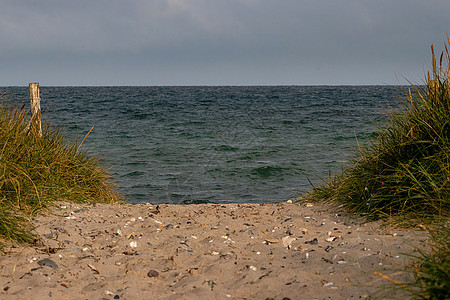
(206, 251)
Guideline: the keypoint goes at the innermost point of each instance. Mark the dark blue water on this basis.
(218, 144)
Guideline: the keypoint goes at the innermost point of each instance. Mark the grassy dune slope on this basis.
(36, 171)
(404, 175)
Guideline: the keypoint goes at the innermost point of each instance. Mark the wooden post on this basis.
(35, 122)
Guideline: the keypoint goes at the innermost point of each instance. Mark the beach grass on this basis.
(36, 171)
(405, 171)
(404, 174)
(432, 269)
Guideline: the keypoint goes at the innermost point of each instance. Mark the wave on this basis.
(267, 171)
(225, 148)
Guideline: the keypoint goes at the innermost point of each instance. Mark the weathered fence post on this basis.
(35, 122)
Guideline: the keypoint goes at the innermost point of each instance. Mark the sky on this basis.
(219, 42)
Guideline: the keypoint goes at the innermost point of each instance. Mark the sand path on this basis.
(205, 251)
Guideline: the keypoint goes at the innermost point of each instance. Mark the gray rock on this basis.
(48, 262)
(153, 273)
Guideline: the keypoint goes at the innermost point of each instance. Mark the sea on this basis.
(218, 144)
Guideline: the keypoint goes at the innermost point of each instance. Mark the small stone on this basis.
(49, 235)
(116, 297)
(47, 262)
(330, 239)
(153, 273)
(312, 242)
(133, 244)
(61, 229)
(329, 248)
(84, 209)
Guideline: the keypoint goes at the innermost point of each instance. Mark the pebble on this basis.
(153, 273)
(312, 242)
(287, 219)
(48, 262)
(329, 248)
(61, 229)
(49, 235)
(330, 239)
(84, 209)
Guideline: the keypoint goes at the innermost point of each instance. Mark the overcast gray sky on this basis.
(213, 42)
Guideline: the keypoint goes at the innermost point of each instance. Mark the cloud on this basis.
(236, 40)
